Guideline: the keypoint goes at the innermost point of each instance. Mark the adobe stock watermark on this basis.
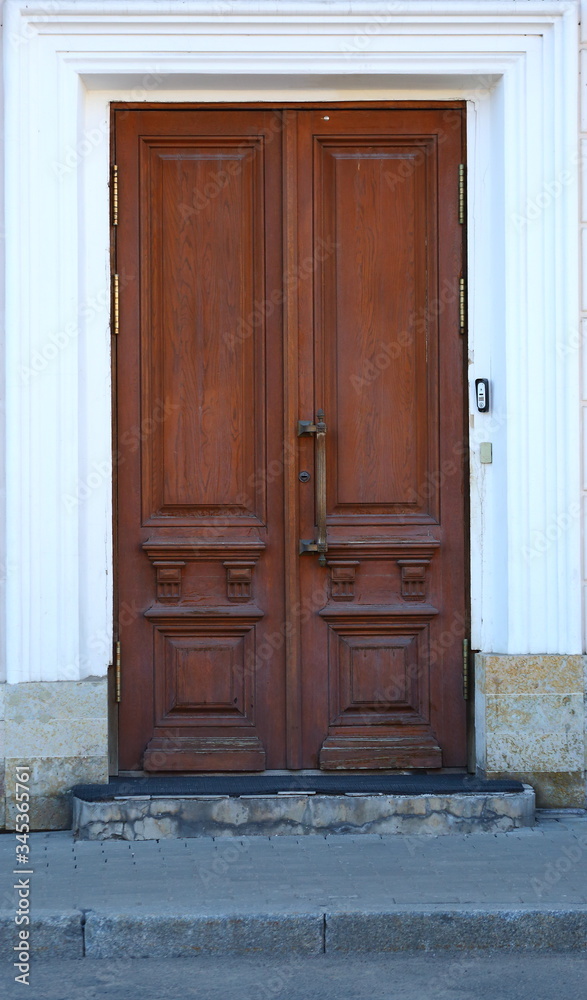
(23, 870)
(554, 871)
(550, 191)
(372, 27)
(27, 30)
(235, 162)
(59, 341)
(323, 249)
(131, 439)
(391, 350)
(544, 538)
(92, 138)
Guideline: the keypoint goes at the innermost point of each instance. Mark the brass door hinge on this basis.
(462, 194)
(115, 304)
(114, 195)
(117, 671)
(462, 305)
(466, 669)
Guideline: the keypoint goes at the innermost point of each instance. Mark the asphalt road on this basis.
(492, 976)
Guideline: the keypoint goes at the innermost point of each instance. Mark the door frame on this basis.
(58, 304)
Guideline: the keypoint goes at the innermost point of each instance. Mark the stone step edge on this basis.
(180, 817)
(471, 928)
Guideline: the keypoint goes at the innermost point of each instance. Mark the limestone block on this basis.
(45, 701)
(552, 752)
(530, 723)
(553, 791)
(537, 713)
(530, 674)
(51, 779)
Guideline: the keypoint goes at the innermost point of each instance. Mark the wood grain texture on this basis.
(205, 343)
(281, 261)
(384, 359)
(200, 554)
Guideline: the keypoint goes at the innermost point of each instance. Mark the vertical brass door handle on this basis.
(319, 430)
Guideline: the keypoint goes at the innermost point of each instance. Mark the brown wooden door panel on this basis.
(200, 516)
(382, 655)
(306, 259)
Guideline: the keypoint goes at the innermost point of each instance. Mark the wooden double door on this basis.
(290, 437)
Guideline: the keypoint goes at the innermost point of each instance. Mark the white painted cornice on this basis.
(147, 16)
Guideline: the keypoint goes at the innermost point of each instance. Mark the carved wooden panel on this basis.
(203, 332)
(378, 336)
(378, 665)
(342, 579)
(413, 576)
(239, 580)
(204, 689)
(168, 580)
(204, 675)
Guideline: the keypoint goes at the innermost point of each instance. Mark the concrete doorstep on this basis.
(152, 817)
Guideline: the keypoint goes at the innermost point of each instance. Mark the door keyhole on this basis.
(304, 477)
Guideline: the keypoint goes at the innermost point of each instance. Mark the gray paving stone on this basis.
(221, 884)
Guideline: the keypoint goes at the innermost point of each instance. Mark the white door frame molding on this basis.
(516, 64)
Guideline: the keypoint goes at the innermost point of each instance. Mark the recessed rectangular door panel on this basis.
(374, 350)
(383, 360)
(202, 358)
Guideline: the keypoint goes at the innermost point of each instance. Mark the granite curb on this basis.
(53, 935)
(459, 928)
(470, 929)
(181, 935)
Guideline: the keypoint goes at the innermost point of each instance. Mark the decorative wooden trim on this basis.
(373, 617)
(291, 333)
(221, 548)
(204, 753)
(239, 580)
(347, 752)
(168, 579)
(342, 579)
(384, 548)
(232, 616)
(413, 578)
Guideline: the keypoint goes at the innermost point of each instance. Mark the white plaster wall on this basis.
(579, 340)
(512, 61)
(3, 565)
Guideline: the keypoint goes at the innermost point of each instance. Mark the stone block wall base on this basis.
(58, 731)
(530, 723)
(152, 817)
(553, 790)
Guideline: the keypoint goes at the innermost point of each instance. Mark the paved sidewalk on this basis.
(525, 889)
